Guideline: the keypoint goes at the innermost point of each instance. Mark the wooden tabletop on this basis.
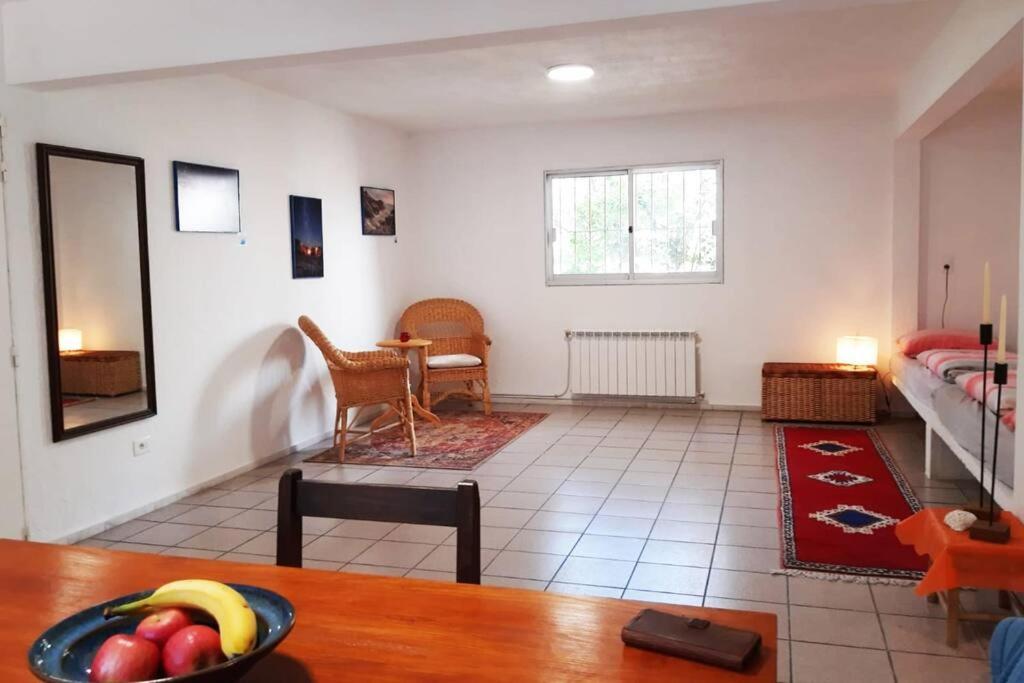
(399, 344)
(362, 627)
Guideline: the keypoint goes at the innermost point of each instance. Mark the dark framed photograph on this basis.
(307, 237)
(206, 198)
(378, 205)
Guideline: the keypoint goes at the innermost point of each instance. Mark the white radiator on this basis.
(633, 363)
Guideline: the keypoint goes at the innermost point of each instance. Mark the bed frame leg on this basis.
(939, 461)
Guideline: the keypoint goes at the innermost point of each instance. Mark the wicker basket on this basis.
(100, 373)
(818, 392)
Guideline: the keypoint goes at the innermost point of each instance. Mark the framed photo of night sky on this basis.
(307, 237)
(206, 198)
(378, 207)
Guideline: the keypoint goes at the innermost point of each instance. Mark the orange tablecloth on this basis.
(957, 560)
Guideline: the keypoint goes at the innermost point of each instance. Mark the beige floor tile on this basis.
(519, 565)
(504, 517)
(836, 627)
(266, 544)
(816, 663)
(748, 536)
(781, 611)
(126, 530)
(259, 520)
(241, 499)
(246, 558)
(582, 589)
(169, 533)
(431, 575)
(685, 512)
(586, 505)
(334, 548)
(203, 497)
(594, 474)
(903, 600)
(538, 541)
(700, 481)
(533, 485)
(691, 532)
(391, 475)
(701, 469)
(166, 513)
(559, 521)
(608, 547)
(746, 559)
(586, 488)
(94, 543)
(519, 499)
(927, 636)
(715, 458)
(547, 472)
(137, 547)
(724, 583)
(354, 528)
(768, 519)
(442, 559)
(783, 665)
(677, 553)
(420, 533)
(667, 598)
(746, 499)
(599, 462)
(834, 594)
(917, 668)
(653, 454)
(753, 472)
(219, 538)
(696, 497)
(192, 552)
(393, 554)
(639, 492)
(646, 478)
(595, 572)
(669, 579)
(621, 507)
(666, 469)
(628, 527)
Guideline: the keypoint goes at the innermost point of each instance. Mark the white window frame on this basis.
(632, 278)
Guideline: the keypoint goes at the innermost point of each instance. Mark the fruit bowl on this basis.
(64, 652)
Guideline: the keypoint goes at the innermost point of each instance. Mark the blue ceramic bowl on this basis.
(63, 653)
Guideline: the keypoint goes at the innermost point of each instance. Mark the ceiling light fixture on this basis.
(567, 73)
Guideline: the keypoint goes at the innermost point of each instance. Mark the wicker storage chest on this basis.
(818, 392)
(100, 373)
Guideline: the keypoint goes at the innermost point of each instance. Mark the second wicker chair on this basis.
(362, 379)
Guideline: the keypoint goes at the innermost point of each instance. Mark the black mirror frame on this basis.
(43, 154)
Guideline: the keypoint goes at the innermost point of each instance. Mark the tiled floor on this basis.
(668, 506)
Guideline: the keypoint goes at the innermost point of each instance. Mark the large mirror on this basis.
(99, 335)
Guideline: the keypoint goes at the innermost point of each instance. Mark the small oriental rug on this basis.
(840, 499)
(462, 440)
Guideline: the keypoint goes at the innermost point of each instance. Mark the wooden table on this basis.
(361, 627)
(404, 347)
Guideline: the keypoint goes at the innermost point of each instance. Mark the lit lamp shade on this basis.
(857, 350)
(69, 339)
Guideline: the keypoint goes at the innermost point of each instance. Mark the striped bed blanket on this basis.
(971, 383)
(948, 364)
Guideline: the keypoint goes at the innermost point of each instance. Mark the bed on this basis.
(954, 417)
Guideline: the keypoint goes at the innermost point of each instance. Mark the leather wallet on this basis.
(696, 639)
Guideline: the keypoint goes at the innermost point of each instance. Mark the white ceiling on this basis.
(701, 60)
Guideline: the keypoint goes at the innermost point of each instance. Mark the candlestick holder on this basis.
(985, 339)
(990, 530)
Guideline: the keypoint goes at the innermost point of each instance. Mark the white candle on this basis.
(1001, 354)
(986, 297)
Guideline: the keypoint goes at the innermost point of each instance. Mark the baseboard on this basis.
(94, 529)
(676, 404)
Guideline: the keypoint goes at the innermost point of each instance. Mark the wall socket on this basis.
(141, 446)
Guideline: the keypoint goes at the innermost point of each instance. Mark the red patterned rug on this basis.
(462, 440)
(840, 498)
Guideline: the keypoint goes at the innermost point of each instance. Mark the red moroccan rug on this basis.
(840, 498)
(461, 441)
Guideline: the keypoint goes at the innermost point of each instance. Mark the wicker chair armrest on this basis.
(481, 345)
(483, 338)
(371, 361)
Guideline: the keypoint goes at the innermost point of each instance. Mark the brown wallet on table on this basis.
(696, 639)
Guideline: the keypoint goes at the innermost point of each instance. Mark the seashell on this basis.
(958, 520)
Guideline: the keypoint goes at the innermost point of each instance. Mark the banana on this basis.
(235, 619)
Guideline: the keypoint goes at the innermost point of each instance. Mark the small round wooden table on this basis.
(404, 347)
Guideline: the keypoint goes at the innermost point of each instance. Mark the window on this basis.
(647, 224)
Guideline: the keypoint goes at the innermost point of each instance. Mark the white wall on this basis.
(970, 210)
(96, 245)
(235, 380)
(807, 238)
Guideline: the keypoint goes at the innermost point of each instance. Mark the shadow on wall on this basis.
(281, 409)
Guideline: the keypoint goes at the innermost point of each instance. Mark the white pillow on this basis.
(453, 360)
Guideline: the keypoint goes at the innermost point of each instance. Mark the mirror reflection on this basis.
(100, 300)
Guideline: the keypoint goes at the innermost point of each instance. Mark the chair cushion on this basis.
(453, 360)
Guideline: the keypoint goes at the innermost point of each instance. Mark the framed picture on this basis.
(378, 207)
(206, 198)
(307, 237)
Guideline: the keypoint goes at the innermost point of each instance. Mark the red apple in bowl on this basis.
(125, 658)
(191, 649)
(158, 627)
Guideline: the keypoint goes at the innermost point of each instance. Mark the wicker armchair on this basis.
(363, 379)
(458, 353)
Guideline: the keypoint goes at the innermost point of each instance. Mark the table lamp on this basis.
(69, 339)
(860, 351)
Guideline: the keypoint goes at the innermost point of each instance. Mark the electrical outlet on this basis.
(141, 446)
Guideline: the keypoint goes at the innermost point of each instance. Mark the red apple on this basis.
(124, 658)
(158, 627)
(191, 649)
